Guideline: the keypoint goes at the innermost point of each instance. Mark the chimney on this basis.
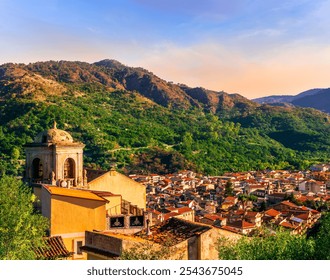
(148, 228)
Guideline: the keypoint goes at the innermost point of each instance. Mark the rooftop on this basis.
(174, 230)
(55, 249)
(84, 194)
(53, 135)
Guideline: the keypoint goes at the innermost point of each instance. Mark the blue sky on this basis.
(254, 48)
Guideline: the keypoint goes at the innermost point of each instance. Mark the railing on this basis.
(128, 209)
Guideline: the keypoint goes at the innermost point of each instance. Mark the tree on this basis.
(322, 238)
(292, 199)
(21, 230)
(187, 142)
(263, 206)
(280, 244)
(244, 199)
(272, 245)
(229, 189)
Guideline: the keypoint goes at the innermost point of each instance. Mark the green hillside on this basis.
(140, 135)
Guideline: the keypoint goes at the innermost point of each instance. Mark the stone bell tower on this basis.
(55, 158)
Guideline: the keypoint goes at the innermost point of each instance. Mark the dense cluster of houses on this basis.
(292, 200)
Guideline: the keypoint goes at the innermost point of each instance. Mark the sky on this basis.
(252, 47)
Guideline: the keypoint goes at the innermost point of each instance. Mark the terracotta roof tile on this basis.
(242, 224)
(213, 217)
(290, 204)
(176, 230)
(184, 210)
(246, 224)
(55, 249)
(272, 212)
(303, 216)
(251, 214)
(231, 229)
(287, 225)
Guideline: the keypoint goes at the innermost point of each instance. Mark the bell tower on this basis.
(55, 158)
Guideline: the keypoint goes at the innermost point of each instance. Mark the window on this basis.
(78, 250)
(37, 171)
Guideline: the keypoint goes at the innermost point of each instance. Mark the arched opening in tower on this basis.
(69, 169)
(37, 170)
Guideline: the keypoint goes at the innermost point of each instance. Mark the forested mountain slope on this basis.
(146, 124)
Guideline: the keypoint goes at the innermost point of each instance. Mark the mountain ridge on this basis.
(317, 98)
(116, 76)
(150, 125)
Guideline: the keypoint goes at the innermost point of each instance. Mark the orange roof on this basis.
(184, 209)
(303, 198)
(232, 229)
(169, 215)
(303, 216)
(153, 211)
(241, 224)
(84, 194)
(239, 212)
(55, 249)
(251, 214)
(104, 193)
(230, 199)
(287, 225)
(185, 202)
(247, 224)
(251, 181)
(272, 212)
(290, 204)
(171, 208)
(213, 217)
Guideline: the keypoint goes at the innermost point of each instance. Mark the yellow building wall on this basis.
(71, 244)
(179, 251)
(113, 207)
(188, 216)
(70, 215)
(208, 243)
(118, 183)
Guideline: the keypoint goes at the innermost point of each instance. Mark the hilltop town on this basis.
(100, 214)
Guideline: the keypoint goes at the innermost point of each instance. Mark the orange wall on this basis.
(117, 183)
(70, 215)
(113, 207)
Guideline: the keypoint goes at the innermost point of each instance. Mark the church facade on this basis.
(76, 199)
